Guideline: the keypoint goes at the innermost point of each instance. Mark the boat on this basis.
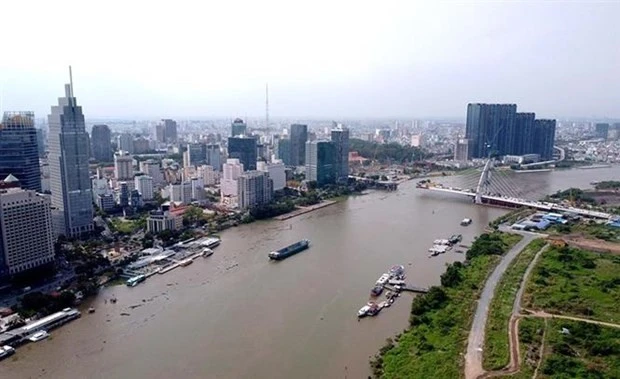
(383, 279)
(206, 252)
(289, 250)
(525, 171)
(456, 238)
(373, 309)
(384, 304)
(6, 351)
(439, 249)
(186, 262)
(363, 311)
(441, 242)
(38, 336)
(466, 221)
(91, 310)
(397, 270)
(132, 282)
(397, 282)
(376, 290)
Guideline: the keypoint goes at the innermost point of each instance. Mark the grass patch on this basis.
(496, 346)
(434, 344)
(587, 351)
(124, 226)
(588, 229)
(576, 282)
(531, 332)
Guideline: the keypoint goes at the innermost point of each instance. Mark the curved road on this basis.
(475, 343)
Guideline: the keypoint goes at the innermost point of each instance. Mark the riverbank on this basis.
(432, 346)
(303, 210)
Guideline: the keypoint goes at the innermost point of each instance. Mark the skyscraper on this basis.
(144, 185)
(68, 161)
(244, 149)
(214, 157)
(19, 152)
(340, 139)
(100, 140)
(123, 167)
(125, 142)
(166, 131)
(544, 138)
(602, 130)
(299, 137)
(321, 162)
(523, 133)
(490, 129)
(461, 149)
(254, 188)
(195, 154)
(284, 150)
(238, 128)
(26, 238)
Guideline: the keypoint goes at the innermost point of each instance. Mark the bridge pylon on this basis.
(483, 182)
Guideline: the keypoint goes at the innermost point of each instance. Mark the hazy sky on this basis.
(321, 58)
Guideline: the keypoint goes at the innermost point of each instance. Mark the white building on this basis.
(416, 140)
(198, 189)
(255, 188)
(159, 221)
(276, 171)
(231, 170)
(181, 193)
(209, 176)
(26, 230)
(153, 169)
(144, 185)
(123, 167)
(125, 142)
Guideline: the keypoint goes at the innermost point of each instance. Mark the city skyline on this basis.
(408, 65)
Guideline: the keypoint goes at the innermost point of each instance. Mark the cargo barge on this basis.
(288, 251)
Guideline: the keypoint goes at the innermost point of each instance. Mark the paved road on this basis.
(475, 343)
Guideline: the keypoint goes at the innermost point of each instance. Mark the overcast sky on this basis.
(154, 59)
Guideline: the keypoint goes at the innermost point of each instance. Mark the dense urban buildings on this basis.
(244, 149)
(254, 188)
(299, 137)
(166, 131)
(101, 143)
(497, 129)
(238, 128)
(321, 162)
(19, 152)
(68, 161)
(340, 139)
(25, 227)
(276, 171)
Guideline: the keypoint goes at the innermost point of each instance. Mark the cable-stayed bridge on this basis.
(497, 188)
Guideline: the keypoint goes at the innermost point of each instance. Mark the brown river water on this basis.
(238, 315)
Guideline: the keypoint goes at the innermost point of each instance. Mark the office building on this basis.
(123, 167)
(416, 140)
(461, 150)
(141, 145)
(68, 160)
(490, 129)
(26, 229)
(299, 137)
(181, 193)
(125, 143)
(340, 139)
(105, 202)
(602, 130)
(158, 221)
(244, 149)
(195, 154)
(19, 152)
(284, 151)
(214, 157)
(321, 162)
(144, 185)
(255, 188)
(238, 128)
(41, 138)
(101, 143)
(544, 138)
(123, 194)
(231, 170)
(152, 168)
(166, 131)
(276, 172)
(208, 174)
(524, 133)
(135, 199)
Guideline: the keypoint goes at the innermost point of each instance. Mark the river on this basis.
(237, 315)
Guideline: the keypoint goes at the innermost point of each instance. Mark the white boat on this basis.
(441, 242)
(206, 252)
(6, 351)
(383, 279)
(38, 336)
(466, 221)
(363, 311)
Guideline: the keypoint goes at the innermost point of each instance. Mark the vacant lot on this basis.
(576, 282)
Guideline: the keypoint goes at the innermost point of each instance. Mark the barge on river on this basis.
(290, 250)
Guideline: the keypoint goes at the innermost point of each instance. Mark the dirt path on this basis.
(543, 314)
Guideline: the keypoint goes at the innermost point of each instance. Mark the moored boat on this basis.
(376, 290)
(38, 336)
(466, 221)
(289, 250)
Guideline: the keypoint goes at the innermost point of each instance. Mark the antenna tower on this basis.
(266, 105)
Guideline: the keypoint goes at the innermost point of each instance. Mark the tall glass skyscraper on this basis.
(299, 137)
(68, 162)
(238, 128)
(340, 139)
(524, 133)
(19, 151)
(544, 137)
(491, 129)
(321, 162)
(100, 139)
(244, 149)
